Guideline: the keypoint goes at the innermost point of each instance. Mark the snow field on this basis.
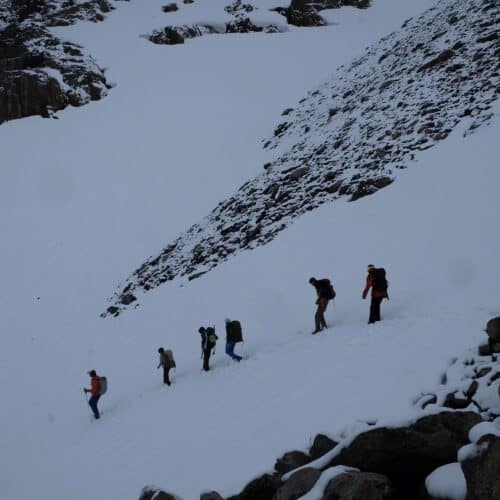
(86, 197)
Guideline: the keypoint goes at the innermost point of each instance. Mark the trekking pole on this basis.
(88, 406)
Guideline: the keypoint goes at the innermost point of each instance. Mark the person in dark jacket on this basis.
(233, 336)
(324, 294)
(95, 391)
(378, 284)
(167, 361)
(208, 340)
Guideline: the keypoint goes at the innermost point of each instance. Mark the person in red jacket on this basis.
(377, 282)
(95, 391)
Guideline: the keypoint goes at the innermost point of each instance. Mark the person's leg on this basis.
(93, 404)
(323, 309)
(372, 310)
(230, 349)
(166, 371)
(206, 359)
(319, 317)
(376, 312)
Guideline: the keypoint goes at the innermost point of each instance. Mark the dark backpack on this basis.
(326, 290)
(169, 357)
(234, 332)
(330, 291)
(379, 281)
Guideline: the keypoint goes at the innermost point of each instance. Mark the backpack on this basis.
(379, 281)
(330, 291)
(234, 332)
(103, 385)
(211, 337)
(169, 355)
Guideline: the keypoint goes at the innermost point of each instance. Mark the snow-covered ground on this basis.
(86, 198)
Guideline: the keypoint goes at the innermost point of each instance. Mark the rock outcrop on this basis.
(39, 73)
(470, 382)
(482, 469)
(350, 137)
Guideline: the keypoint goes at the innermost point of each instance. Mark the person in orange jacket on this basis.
(377, 282)
(95, 391)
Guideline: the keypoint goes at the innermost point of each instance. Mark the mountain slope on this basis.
(350, 136)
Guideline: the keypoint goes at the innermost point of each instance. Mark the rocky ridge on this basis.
(300, 13)
(40, 73)
(350, 136)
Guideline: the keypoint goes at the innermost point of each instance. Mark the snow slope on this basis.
(85, 197)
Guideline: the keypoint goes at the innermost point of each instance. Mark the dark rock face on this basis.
(357, 486)
(40, 74)
(368, 122)
(291, 460)
(493, 329)
(482, 471)
(322, 444)
(262, 488)
(407, 455)
(298, 484)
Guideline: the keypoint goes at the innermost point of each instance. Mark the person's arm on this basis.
(369, 283)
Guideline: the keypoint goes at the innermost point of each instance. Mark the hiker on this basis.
(167, 361)
(377, 282)
(95, 391)
(208, 341)
(325, 293)
(233, 336)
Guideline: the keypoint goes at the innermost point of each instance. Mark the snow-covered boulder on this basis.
(407, 455)
(480, 461)
(291, 460)
(298, 484)
(447, 483)
(322, 444)
(151, 493)
(493, 329)
(211, 495)
(263, 488)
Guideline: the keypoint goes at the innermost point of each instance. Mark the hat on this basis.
(201, 329)
(371, 267)
(312, 280)
(227, 320)
(92, 373)
(160, 349)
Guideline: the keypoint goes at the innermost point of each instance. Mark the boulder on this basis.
(291, 460)
(298, 484)
(493, 329)
(357, 486)
(407, 455)
(481, 470)
(262, 488)
(149, 493)
(170, 7)
(211, 495)
(322, 444)
(457, 403)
